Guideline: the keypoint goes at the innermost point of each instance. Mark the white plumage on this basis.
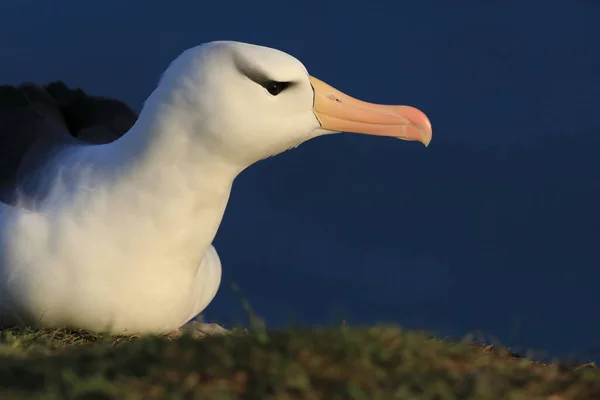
(121, 241)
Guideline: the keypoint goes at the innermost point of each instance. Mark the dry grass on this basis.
(334, 363)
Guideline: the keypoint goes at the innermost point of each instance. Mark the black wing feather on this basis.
(36, 121)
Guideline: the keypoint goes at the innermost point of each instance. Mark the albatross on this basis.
(111, 231)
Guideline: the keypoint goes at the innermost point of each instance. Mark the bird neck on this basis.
(168, 135)
(164, 178)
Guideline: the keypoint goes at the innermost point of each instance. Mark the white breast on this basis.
(132, 256)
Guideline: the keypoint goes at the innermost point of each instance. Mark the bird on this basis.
(107, 218)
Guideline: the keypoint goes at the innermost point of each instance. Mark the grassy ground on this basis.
(335, 363)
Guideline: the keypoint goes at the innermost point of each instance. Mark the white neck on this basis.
(166, 134)
(167, 191)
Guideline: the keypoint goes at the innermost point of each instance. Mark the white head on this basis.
(249, 102)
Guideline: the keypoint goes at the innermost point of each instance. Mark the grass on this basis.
(373, 363)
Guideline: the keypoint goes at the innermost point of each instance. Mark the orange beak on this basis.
(339, 112)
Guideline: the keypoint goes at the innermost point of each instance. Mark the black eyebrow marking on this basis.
(255, 74)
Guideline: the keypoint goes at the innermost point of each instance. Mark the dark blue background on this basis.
(495, 227)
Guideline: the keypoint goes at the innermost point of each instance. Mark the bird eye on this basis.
(274, 87)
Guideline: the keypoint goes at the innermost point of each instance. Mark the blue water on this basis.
(494, 228)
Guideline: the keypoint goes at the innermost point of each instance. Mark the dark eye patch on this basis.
(257, 76)
(275, 87)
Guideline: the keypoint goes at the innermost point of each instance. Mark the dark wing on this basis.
(36, 122)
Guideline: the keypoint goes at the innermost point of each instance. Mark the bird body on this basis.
(114, 233)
